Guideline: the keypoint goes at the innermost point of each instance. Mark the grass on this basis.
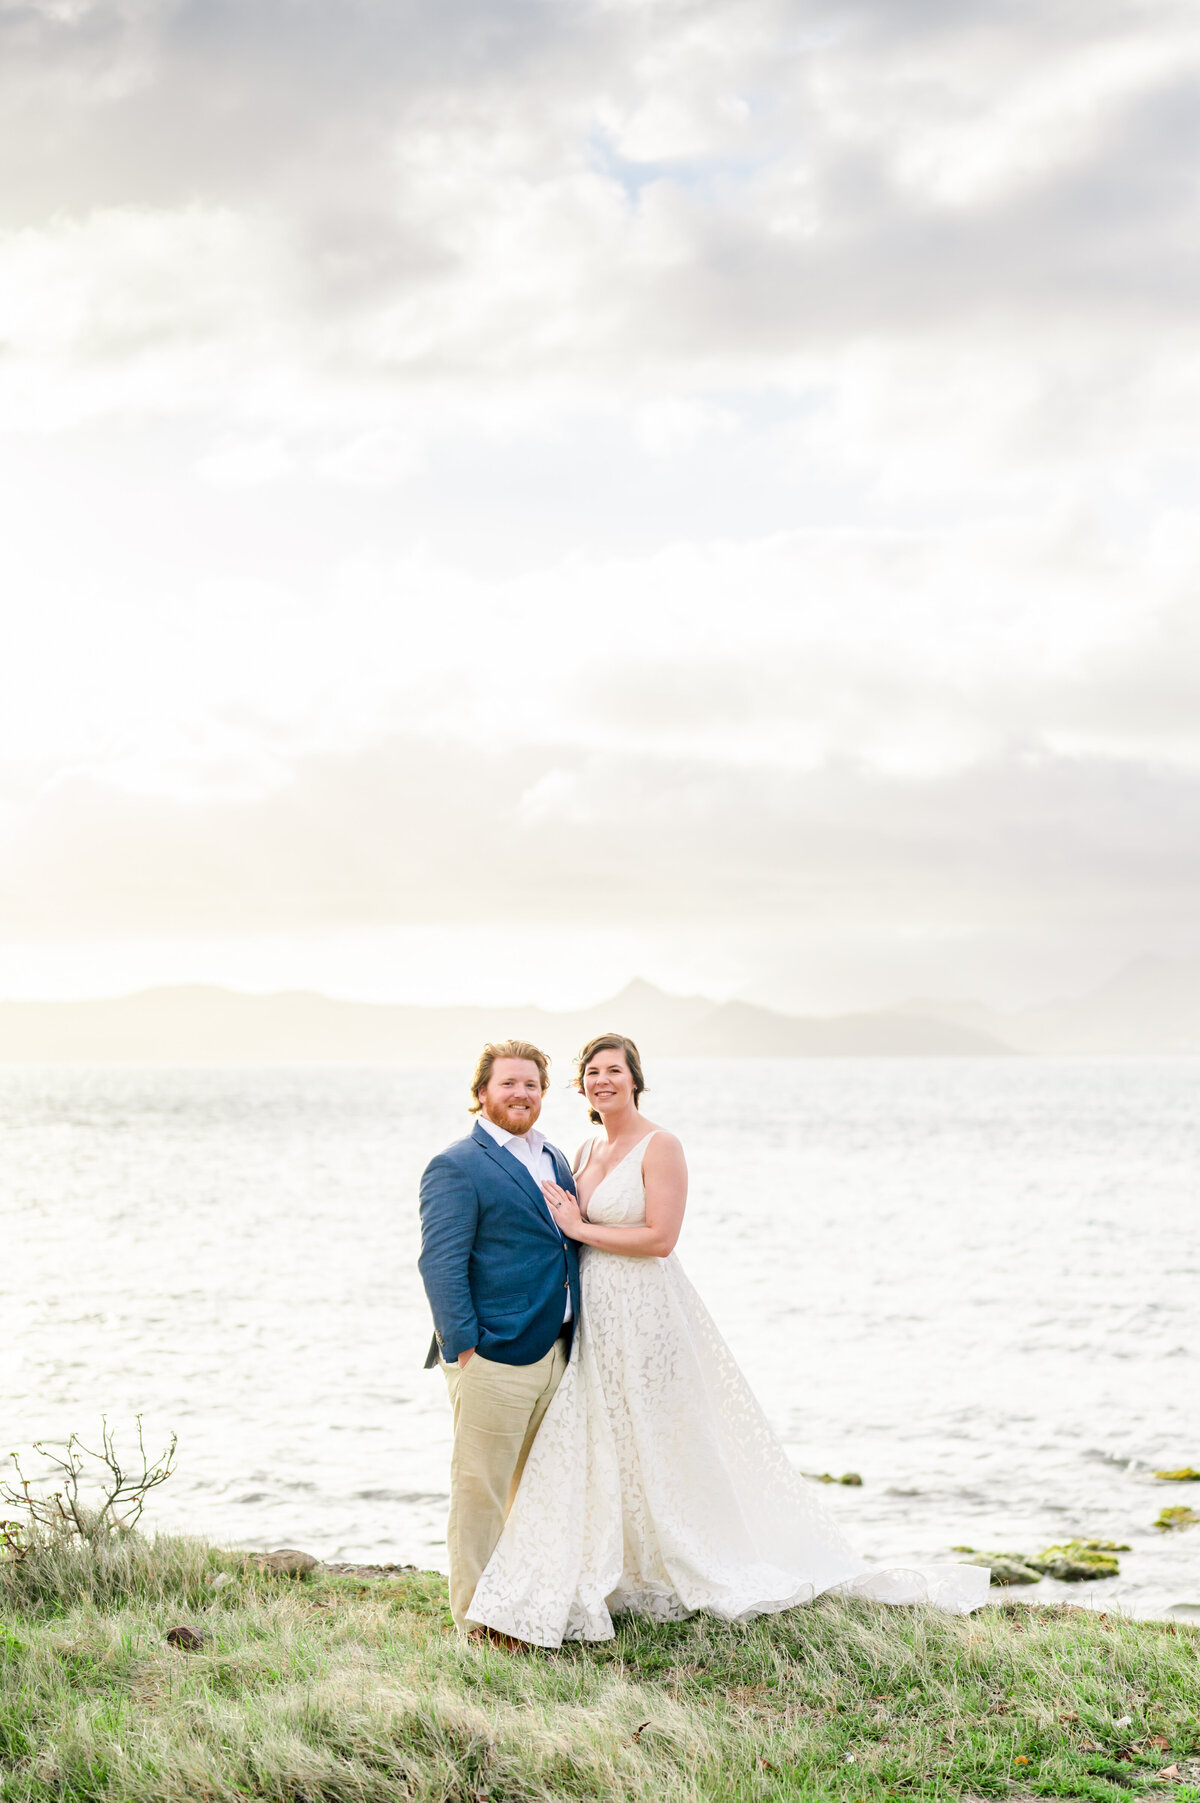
(343, 1690)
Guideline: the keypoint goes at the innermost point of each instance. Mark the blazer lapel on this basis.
(562, 1170)
(520, 1173)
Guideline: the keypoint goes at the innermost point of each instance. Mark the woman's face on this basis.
(607, 1081)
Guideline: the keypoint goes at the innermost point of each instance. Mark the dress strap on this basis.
(587, 1153)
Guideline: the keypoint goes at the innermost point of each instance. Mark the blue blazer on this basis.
(496, 1269)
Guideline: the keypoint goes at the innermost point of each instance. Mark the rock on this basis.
(286, 1562)
(851, 1477)
(371, 1571)
(1007, 1568)
(827, 1477)
(1075, 1571)
(1077, 1561)
(1186, 1474)
(188, 1640)
(1072, 1562)
(1176, 1518)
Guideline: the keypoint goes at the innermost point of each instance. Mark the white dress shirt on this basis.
(530, 1148)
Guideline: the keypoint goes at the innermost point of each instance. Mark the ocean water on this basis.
(972, 1282)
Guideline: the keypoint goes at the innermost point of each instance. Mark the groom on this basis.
(503, 1285)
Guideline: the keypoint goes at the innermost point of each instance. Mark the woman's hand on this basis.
(565, 1209)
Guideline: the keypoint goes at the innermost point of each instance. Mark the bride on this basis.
(656, 1483)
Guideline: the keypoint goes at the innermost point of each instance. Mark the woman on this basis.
(656, 1483)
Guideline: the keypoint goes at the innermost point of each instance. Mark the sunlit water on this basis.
(973, 1282)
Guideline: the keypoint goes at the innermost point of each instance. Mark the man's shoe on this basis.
(508, 1643)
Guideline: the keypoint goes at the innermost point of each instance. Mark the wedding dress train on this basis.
(656, 1483)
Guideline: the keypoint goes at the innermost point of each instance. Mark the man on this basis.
(503, 1284)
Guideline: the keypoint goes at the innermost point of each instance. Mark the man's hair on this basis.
(506, 1048)
(611, 1042)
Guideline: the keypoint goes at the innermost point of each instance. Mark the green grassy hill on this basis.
(335, 1689)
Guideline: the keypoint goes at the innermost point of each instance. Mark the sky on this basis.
(499, 499)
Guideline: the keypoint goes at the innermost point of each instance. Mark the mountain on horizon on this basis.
(1148, 1008)
(203, 1024)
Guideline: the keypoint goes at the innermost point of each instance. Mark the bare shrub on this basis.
(65, 1511)
(73, 1535)
(14, 1542)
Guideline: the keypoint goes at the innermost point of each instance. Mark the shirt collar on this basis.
(533, 1139)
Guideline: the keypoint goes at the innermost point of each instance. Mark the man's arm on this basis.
(449, 1217)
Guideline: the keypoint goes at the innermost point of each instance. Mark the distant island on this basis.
(1151, 1008)
(202, 1024)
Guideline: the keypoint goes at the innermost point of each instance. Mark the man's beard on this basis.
(498, 1113)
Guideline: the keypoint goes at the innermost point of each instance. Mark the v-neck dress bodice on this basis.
(619, 1199)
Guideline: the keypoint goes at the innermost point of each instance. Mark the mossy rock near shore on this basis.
(1176, 1518)
(1072, 1562)
(1077, 1560)
(1007, 1568)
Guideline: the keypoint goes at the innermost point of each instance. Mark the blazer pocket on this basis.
(500, 1326)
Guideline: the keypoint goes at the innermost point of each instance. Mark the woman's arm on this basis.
(664, 1171)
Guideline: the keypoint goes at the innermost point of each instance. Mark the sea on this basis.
(972, 1282)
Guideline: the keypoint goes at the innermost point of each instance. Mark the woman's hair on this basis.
(610, 1042)
(506, 1048)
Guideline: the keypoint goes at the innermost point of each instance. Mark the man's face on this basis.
(512, 1096)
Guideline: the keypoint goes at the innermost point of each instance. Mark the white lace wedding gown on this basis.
(656, 1483)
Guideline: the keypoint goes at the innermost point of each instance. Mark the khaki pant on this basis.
(497, 1412)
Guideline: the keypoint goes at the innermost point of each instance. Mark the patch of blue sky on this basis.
(696, 174)
(770, 404)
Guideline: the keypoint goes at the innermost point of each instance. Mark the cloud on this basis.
(414, 831)
(455, 194)
(245, 463)
(755, 439)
